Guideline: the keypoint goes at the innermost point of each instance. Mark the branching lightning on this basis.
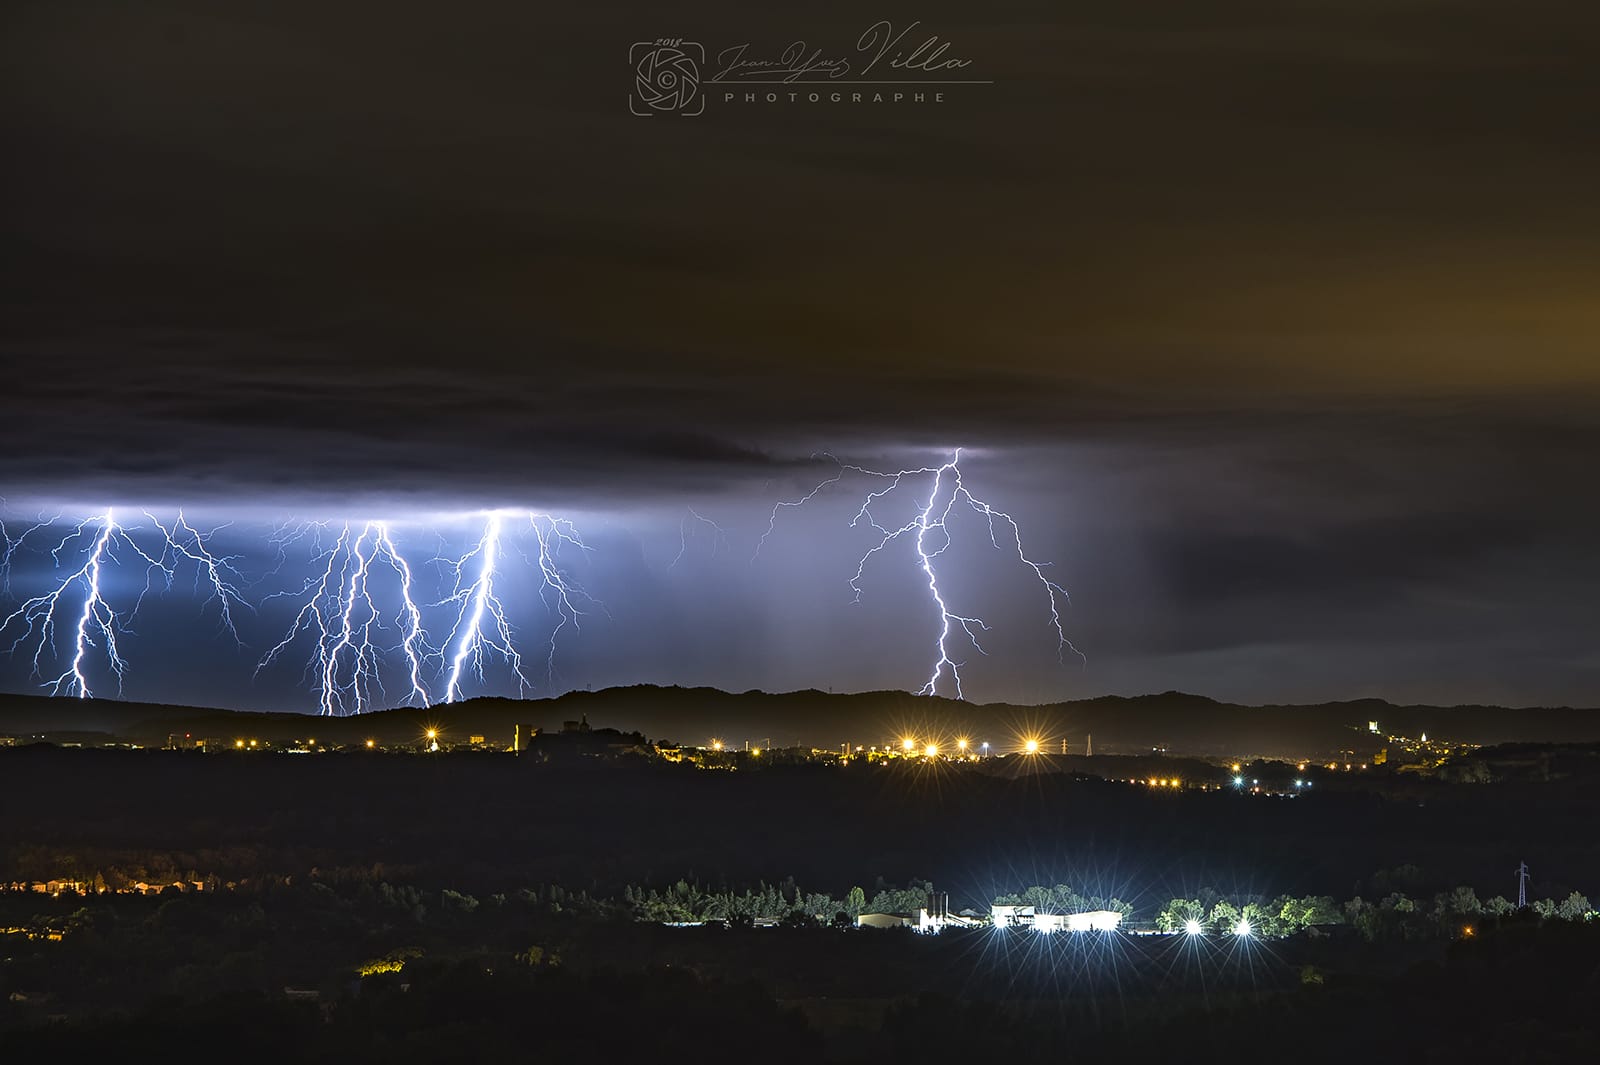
(929, 531)
(476, 598)
(481, 625)
(218, 572)
(367, 619)
(719, 535)
(360, 609)
(343, 619)
(97, 624)
(14, 543)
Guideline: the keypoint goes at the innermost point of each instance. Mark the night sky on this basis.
(1274, 325)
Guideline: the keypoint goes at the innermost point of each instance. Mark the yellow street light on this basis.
(908, 744)
(1030, 745)
(371, 744)
(932, 750)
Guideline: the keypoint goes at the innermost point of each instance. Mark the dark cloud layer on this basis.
(1281, 314)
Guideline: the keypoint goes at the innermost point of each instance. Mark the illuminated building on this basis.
(1029, 917)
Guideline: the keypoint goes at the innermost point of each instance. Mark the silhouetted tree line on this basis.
(1396, 916)
(685, 902)
(1062, 899)
(1455, 1007)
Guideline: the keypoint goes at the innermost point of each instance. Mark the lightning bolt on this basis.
(14, 543)
(343, 619)
(476, 599)
(359, 610)
(481, 624)
(772, 520)
(413, 645)
(559, 593)
(218, 572)
(930, 534)
(720, 537)
(97, 624)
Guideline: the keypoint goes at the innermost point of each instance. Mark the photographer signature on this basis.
(879, 48)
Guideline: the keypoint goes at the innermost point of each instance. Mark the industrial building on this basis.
(1028, 917)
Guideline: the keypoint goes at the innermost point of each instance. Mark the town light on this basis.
(932, 750)
(961, 744)
(716, 745)
(1030, 745)
(908, 744)
(1191, 927)
(1242, 928)
(371, 744)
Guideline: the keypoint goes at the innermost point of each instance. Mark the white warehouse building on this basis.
(1028, 917)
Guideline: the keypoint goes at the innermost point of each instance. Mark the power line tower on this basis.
(1522, 886)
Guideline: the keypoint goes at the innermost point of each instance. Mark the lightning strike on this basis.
(772, 519)
(476, 599)
(14, 543)
(719, 535)
(559, 593)
(929, 532)
(481, 624)
(97, 624)
(218, 572)
(343, 619)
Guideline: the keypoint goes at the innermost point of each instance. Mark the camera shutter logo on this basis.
(666, 77)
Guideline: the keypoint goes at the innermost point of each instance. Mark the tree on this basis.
(1224, 916)
(1366, 918)
(1176, 915)
(1573, 908)
(1399, 903)
(855, 902)
(455, 900)
(1463, 902)
(1320, 910)
(819, 906)
(1499, 906)
(1400, 878)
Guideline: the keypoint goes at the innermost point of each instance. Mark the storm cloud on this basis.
(1275, 323)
